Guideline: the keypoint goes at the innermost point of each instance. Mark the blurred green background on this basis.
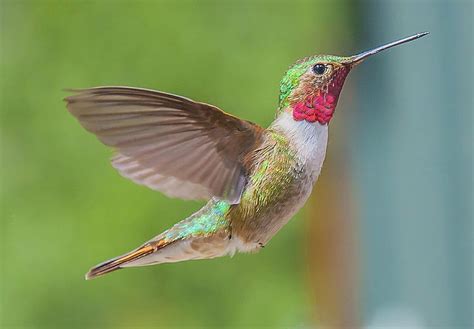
(391, 242)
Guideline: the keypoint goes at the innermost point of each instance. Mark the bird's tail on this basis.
(203, 235)
(117, 262)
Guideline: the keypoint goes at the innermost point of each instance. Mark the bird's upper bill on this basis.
(310, 88)
(357, 59)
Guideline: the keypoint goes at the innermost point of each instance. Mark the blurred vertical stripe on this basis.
(412, 149)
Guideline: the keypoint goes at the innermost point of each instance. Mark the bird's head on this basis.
(310, 88)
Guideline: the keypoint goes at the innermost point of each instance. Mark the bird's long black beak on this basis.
(357, 59)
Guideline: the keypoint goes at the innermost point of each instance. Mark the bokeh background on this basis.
(387, 238)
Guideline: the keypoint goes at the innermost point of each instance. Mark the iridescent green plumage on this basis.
(209, 221)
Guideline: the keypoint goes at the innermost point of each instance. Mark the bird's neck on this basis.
(309, 139)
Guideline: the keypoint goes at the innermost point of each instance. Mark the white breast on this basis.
(309, 140)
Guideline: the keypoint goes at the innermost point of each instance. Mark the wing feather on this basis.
(169, 143)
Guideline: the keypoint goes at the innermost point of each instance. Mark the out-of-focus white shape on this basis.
(396, 317)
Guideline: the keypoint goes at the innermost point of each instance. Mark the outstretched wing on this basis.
(169, 143)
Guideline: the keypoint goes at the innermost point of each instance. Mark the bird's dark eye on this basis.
(319, 69)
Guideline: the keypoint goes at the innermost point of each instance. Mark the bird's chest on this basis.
(281, 181)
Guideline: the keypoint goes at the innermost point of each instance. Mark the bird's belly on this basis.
(256, 228)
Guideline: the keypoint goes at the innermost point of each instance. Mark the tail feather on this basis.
(117, 262)
(203, 235)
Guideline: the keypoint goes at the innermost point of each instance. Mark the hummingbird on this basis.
(254, 179)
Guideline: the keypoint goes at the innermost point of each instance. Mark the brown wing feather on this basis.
(169, 143)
